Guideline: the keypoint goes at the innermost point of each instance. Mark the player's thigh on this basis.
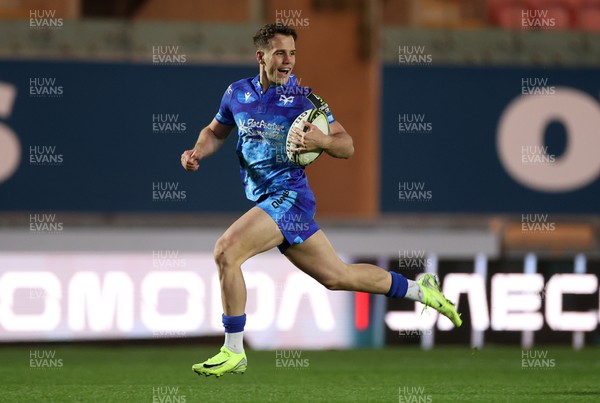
(317, 258)
(249, 235)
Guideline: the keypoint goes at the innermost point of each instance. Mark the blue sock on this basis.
(399, 286)
(234, 324)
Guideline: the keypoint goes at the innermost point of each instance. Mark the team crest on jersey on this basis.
(286, 100)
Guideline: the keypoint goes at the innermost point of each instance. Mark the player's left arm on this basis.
(338, 143)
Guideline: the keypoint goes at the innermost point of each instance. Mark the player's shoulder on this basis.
(239, 84)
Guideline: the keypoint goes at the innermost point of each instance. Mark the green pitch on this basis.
(76, 373)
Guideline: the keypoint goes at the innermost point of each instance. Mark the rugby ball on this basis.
(317, 118)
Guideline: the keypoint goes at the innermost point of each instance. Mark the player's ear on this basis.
(260, 57)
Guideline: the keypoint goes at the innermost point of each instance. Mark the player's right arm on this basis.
(211, 138)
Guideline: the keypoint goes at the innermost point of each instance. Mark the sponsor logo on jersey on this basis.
(261, 130)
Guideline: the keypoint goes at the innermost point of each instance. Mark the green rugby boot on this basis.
(226, 362)
(433, 297)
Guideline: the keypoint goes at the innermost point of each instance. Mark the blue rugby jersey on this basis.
(263, 121)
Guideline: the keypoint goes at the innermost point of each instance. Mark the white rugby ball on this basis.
(317, 118)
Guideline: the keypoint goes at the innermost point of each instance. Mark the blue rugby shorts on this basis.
(294, 213)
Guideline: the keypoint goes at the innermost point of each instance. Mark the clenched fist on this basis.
(189, 160)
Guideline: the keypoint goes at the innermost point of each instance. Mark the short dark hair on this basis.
(261, 39)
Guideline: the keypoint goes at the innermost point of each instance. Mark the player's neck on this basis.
(264, 80)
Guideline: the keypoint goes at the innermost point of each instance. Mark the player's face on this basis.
(279, 59)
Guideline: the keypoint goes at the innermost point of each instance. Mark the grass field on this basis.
(163, 374)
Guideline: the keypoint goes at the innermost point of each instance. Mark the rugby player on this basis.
(263, 109)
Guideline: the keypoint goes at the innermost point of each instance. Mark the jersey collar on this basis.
(256, 82)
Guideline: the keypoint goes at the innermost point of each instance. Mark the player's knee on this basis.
(224, 253)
